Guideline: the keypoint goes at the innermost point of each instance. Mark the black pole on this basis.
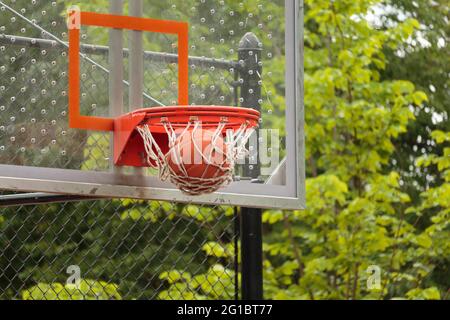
(250, 49)
(251, 254)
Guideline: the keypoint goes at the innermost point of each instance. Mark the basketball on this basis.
(198, 162)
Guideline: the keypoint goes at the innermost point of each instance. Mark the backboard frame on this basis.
(117, 185)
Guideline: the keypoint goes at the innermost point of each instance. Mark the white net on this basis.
(199, 161)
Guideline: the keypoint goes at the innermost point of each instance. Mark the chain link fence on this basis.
(122, 249)
(100, 249)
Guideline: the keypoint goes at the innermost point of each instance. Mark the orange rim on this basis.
(209, 117)
(178, 118)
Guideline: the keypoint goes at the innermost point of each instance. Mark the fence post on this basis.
(250, 69)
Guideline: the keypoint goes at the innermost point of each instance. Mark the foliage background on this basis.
(378, 188)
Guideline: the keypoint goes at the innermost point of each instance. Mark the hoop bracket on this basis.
(128, 144)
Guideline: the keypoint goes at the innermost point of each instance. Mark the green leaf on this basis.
(419, 97)
(424, 241)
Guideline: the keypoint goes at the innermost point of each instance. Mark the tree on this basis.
(356, 210)
(424, 60)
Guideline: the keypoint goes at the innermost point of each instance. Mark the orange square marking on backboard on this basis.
(78, 121)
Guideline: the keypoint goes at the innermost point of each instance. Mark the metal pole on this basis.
(250, 49)
(136, 73)
(116, 73)
(136, 65)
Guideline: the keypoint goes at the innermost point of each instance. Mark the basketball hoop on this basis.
(196, 148)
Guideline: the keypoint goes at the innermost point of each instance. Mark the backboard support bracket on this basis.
(32, 199)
